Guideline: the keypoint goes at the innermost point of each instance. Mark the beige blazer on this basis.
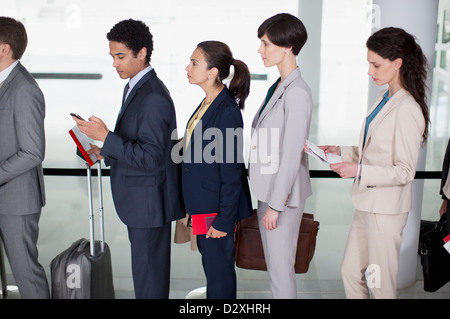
(278, 167)
(389, 157)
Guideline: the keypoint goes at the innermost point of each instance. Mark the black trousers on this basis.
(150, 261)
(218, 264)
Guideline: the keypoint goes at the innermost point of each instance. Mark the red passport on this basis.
(83, 145)
(202, 222)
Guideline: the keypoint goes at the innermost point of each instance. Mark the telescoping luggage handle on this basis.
(91, 209)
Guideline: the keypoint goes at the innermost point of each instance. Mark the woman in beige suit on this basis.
(278, 168)
(384, 164)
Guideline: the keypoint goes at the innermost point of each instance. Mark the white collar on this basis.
(135, 79)
(5, 73)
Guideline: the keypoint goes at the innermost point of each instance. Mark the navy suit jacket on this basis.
(145, 182)
(213, 172)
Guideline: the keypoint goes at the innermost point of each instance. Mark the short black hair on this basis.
(284, 30)
(13, 32)
(134, 34)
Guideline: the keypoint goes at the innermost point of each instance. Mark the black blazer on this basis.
(213, 172)
(145, 184)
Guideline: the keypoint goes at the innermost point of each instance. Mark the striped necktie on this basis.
(125, 91)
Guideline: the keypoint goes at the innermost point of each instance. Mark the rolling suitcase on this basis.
(84, 270)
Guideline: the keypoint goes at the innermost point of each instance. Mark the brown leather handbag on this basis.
(249, 250)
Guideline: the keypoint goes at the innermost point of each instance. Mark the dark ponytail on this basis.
(392, 43)
(218, 55)
(240, 83)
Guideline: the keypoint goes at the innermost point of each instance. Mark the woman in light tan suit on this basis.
(384, 164)
(278, 168)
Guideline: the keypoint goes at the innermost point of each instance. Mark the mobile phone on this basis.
(77, 116)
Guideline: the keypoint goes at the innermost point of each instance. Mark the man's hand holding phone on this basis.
(94, 127)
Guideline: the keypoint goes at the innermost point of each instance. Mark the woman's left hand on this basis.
(214, 233)
(345, 169)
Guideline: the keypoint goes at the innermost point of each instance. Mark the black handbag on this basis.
(434, 257)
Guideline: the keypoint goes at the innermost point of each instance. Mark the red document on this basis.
(202, 222)
(83, 145)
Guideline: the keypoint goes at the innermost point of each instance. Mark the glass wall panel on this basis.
(343, 78)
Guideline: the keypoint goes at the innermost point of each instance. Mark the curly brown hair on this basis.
(392, 43)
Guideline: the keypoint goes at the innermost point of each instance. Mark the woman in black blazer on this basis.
(215, 188)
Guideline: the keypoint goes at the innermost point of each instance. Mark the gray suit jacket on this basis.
(22, 144)
(278, 166)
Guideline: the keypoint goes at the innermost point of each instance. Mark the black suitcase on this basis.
(434, 258)
(84, 270)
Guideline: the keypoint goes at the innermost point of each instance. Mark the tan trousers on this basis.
(371, 257)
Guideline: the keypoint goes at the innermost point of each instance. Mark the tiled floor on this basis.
(258, 288)
(249, 289)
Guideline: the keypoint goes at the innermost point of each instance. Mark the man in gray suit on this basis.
(22, 148)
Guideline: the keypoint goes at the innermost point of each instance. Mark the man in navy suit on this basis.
(145, 186)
